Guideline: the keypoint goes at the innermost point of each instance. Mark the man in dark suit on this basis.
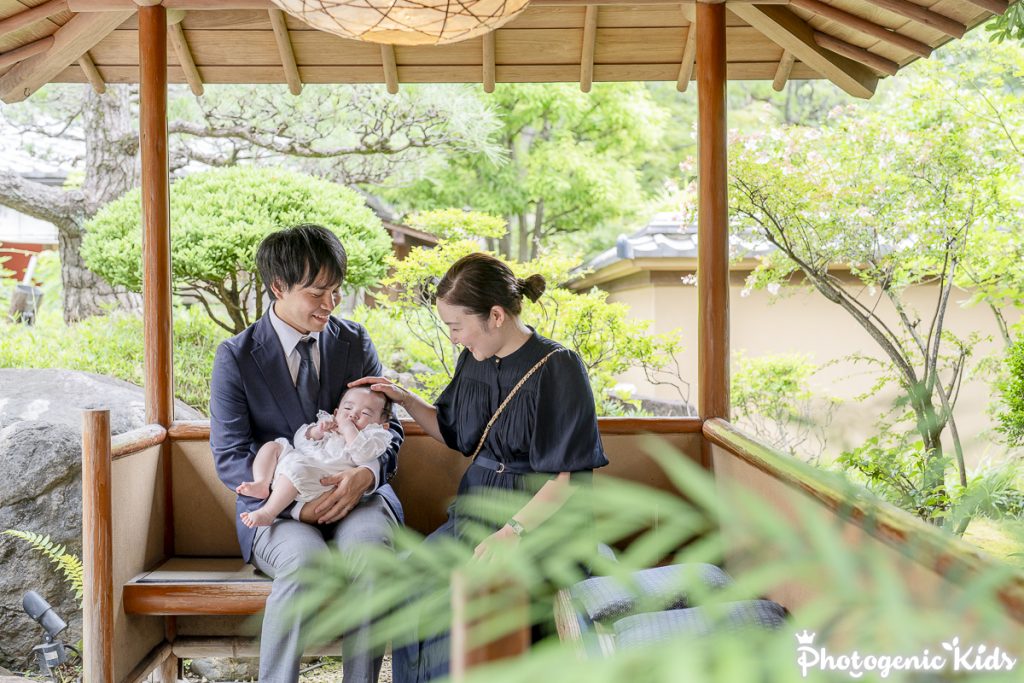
(267, 382)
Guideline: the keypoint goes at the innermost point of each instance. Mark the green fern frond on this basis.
(69, 564)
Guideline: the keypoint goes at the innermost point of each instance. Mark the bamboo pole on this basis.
(387, 58)
(92, 74)
(176, 34)
(488, 76)
(783, 72)
(32, 15)
(589, 44)
(689, 50)
(713, 219)
(97, 549)
(284, 48)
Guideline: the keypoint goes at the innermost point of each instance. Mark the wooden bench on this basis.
(163, 528)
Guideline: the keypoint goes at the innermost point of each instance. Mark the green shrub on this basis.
(601, 332)
(220, 217)
(456, 224)
(771, 397)
(1011, 416)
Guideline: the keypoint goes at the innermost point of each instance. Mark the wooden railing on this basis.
(948, 556)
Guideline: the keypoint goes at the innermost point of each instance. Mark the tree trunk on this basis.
(505, 243)
(538, 227)
(523, 243)
(85, 293)
(930, 427)
(112, 167)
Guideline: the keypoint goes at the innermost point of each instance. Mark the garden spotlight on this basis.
(50, 653)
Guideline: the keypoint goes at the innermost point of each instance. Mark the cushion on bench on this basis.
(606, 598)
(697, 622)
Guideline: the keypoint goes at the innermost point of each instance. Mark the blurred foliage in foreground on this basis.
(857, 598)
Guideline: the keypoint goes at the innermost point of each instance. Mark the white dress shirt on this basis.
(290, 338)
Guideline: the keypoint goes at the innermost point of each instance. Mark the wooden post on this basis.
(156, 241)
(464, 655)
(713, 220)
(97, 549)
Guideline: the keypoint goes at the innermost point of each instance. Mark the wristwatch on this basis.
(516, 527)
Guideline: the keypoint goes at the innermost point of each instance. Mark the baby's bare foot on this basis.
(257, 518)
(254, 489)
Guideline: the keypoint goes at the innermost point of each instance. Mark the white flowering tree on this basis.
(863, 209)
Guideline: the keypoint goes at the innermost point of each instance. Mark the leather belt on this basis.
(502, 467)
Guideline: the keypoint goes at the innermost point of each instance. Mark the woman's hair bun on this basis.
(533, 286)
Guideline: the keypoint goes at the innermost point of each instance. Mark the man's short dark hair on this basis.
(299, 256)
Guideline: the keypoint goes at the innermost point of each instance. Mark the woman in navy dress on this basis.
(549, 427)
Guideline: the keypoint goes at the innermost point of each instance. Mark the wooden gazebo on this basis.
(182, 518)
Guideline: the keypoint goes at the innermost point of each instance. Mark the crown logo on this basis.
(805, 637)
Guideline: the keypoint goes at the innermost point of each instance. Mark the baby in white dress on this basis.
(356, 434)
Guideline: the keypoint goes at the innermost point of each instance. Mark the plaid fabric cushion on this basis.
(697, 622)
(608, 598)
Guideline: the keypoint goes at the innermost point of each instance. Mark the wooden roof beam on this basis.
(993, 6)
(387, 58)
(923, 16)
(857, 54)
(589, 43)
(32, 15)
(864, 26)
(92, 74)
(187, 5)
(25, 51)
(487, 63)
(71, 41)
(176, 36)
(193, 5)
(791, 33)
(689, 50)
(783, 72)
(630, 3)
(284, 48)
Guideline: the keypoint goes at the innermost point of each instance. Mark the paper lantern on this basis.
(404, 22)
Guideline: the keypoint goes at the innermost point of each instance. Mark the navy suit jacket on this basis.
(253, 400)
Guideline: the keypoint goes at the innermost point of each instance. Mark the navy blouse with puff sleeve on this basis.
(550, 425)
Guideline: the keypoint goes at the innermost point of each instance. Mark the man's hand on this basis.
(350, 487)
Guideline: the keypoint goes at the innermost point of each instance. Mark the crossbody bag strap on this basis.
(507, 400)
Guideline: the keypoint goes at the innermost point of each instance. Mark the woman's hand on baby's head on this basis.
(384, 386)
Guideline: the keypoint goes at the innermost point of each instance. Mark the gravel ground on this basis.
(327, 670)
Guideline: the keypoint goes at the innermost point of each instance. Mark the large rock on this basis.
(41, 488)
(226, 669)
(58, 396)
